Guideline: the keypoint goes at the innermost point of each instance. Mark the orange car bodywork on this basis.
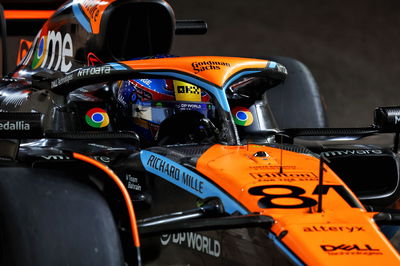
(94, 10)
(344, 233)
(220, 69)
(339, 235)
(28, 14)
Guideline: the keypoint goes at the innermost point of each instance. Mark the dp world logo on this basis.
(97, 117)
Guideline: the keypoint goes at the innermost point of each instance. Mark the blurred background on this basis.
(351, 47)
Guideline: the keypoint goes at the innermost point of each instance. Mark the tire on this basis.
(296, 102)
(47, 218)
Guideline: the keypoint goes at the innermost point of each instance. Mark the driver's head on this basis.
(150, 102)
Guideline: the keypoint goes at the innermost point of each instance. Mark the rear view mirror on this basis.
(387, 119)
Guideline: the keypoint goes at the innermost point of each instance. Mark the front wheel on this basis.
(49, 218)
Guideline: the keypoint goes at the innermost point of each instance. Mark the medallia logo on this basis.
(14, 125)
(242, 116)
(97, 118)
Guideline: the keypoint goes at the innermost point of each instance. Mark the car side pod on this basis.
(387, 119)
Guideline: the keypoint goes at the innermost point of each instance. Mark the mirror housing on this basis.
(387, 119)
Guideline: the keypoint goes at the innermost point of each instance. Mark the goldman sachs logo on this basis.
(15, 125)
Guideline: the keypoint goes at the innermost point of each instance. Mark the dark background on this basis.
(351, 47)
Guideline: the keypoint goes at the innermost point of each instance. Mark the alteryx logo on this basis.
(52, 51)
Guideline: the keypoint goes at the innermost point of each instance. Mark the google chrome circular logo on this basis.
(97, 117)
(242, 116)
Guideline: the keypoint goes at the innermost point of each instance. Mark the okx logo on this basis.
(97, 117)
(52, 50)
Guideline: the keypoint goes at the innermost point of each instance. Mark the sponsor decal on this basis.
(288, 180)
(194, 241)
(93, 60)
(133, 183)
(188, 180)
(61, 81)
(284, 177)
(352, 249)
(90, 7)
(186, 92)
(101, 70)
(14, 125)
(396, 119)
(333, 228)
(24, 46)
(97, 118)
(53, 157)
(52, 50)
(208, 65)
(89, 13)
(185, 178)
(189, 106)
(278, 175)
(351, 152)
(242, 116)
(272, 167)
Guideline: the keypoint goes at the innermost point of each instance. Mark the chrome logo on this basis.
(40, 50)
(97, 117)
(242, 116)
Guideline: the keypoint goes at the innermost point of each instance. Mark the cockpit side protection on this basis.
(188, 180)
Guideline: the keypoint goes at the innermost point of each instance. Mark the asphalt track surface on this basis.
(351, 47)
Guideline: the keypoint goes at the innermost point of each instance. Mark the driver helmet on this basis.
(149, 102)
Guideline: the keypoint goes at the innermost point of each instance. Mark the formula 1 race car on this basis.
(114, 152)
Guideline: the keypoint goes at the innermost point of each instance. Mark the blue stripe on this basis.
(218, 93)
(178, 175)
(81, 18)
(272, 64)
(284, 249)
(117, 66)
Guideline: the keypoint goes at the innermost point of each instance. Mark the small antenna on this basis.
(281, 158)
(396, 142)
(322, 158)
